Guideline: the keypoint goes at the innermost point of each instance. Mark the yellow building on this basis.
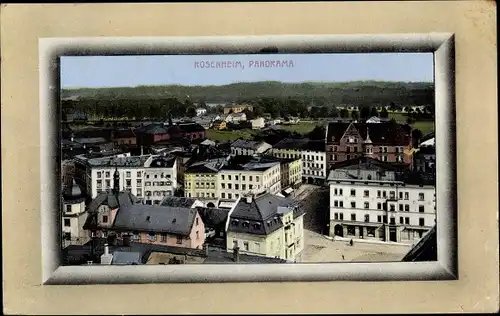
(219, 125)
(237, 108)
(290, 169)
(267, 226)
(201, 180)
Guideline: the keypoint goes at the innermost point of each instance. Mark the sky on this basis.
(129, 71)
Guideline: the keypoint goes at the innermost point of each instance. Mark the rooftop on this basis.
(175, 201)
(130, 161)
(248, 144)
(301, 144)
(384, 133)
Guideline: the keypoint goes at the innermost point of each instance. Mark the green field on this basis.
(301, 127)
(223, 136)
(424, 126)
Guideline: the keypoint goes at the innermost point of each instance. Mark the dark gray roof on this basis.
(175, 201)
(248, 144)
(213, 217)
(260, 216)
(301, 144)
(73, 193)
(155, 218)
(126, 257)
(91, 140)
(112, 200)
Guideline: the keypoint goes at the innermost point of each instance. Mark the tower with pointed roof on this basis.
(116, 181)
(74, 215)
(368, 145)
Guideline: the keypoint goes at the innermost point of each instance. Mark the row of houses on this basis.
(256, 225)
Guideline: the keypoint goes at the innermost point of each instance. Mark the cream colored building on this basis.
(74, 216)
(266, 225)
(370, 199)
(228, 180)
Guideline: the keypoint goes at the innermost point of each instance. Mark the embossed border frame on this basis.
(440, 44)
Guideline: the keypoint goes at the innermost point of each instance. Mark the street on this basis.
(315, 201)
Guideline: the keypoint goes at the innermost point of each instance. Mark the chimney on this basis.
(106, 258)
(236, 254)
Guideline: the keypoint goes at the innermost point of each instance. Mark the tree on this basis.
(344, 113)
(191, 112)
(355, 115)
(333, 112)
(384, 113)
(364, 112)
(374, 112)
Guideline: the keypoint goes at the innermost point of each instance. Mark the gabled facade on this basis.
(388, 142)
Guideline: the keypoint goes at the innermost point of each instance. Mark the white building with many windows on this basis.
(74, 216)
(149, 177)
(312, 153)
(370, 199)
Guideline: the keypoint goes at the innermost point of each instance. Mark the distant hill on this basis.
(321, 93)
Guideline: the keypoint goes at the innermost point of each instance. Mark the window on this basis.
(250, 187)
(222, 177)
(353, 192)
(243, 178)
(335, 192)
(99, 174)
(407, 220)
(392, 208)
(108, 174)
(341, 216)
(197, 234)
(229, 186)
(336, 203)
(68, 208)
(257, 178)
(400, 195)
(197, 221)
(341, 203)
(128, 182)
(336, 215)
(379, 193)
(420, 196)
(179, 239)
(104, 219)
(67, 222)
(392, 195)
(245, 245)
(384, 194)
(421, 208)
(367, 205)
(139, 192)
(229, 196)
(393, 221)
(223, 185)
(353, 217)
(407, 208)
(353, 204)
(223, 195)
(401, 220)
(164, 237)
(243, 187)
(151, 236)
(379, 218)
(400, 207)
(138, 174)
(367, 193)
(236, 187)
(421, 222)
(236, 177)
(379, 206)
(250, 178)
(367, 218)
(128, 174)
(385, 219)
(341, 192)
(407, 196)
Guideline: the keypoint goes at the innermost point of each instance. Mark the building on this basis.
(120, 215)
(291, 172)
(425, 160)
(124, 137)
(201, 111)
(219, 125)
(242, 176)
(373, 119)
(74, 216)
(388, 142)
(159, 177)
(228, 179)
(248, 147)
(142, 175)
(371, 199)
(67, 172)
(191, 131)
(177, 201)
(266, 225)
(312, 153)
(258, 123)
(134, 253)
(237, 108)
(150, 134)
(236, 117)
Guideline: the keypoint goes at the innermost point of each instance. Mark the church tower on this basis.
(116, 181)
(368, 145)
